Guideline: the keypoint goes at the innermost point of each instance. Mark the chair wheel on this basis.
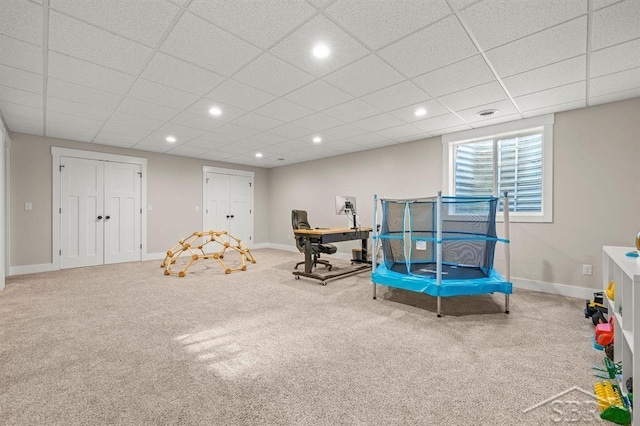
(297, 277)
(324, 283)
(295, 267)
(329, 267)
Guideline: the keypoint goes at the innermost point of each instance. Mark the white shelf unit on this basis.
(624, 271)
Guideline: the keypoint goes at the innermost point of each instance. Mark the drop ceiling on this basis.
(131, 73)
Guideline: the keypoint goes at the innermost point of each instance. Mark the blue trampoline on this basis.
(441, 246)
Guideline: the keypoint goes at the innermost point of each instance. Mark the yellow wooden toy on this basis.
(189, 246)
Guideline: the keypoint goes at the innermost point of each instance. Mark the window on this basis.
(515, 157)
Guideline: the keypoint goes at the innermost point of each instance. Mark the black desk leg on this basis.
(308, 266)
(365, 257)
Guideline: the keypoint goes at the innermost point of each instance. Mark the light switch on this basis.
(28, 206)
(149, 207)
(197, 208)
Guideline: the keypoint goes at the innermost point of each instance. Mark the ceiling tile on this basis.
(19, 79)
(265, 139)
(440, 122)
(461, 4)
(210, 140)
(198, 121)
(20, 97)
(181, 133)
(216, 156)
(401, 131)
(203, 106)
(617, 58)
(558, 95)
(346, 146)
(290, 131)
(187, 151)
(555, 108)
(455, 77)
(24, 125)
(396, 96)
(297, 47)
(496, 22)
(408, 113)
(318, 122)
(142, 20)
(72, 37)
(261, 23)
(83, 95)
(553, 75)
(352, 110)
(115, 139)
(68, 132)
(257, 121)
(614, 97)
(20, 55)
(344, 131)
(22, 20)
(505, 109)
(149, 91)
(240, 95)
(173, 72)
(146, 109)
(378, 122)
(616, 24)
(318, 96)
(201, 43)
(372, 140)
(17, 110)
(273, 75)
(479, 95)
(379, 75)
(76, 109)
(434, 47)
(61, 120)
(156, 143)
(67, 68)
(377, 25)
(235, 131)
(618, 82)
(599, 4)
(281, 109)
(135, 121)
(568, 40)
(130, 133)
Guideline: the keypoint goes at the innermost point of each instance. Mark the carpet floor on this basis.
(124, 344)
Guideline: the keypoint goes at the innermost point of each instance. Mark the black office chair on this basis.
(299, 221)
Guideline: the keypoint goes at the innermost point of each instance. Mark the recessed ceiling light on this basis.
(258, 154)
(321, 50)
(170, 139)
(487, 113)
(420, 112)
(317, 139)
(215, 111)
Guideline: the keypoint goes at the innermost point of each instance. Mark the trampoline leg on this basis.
(439, 310)
(374, 291)
(506, 303)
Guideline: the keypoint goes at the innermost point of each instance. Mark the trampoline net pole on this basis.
(507, 246)
(439, 246)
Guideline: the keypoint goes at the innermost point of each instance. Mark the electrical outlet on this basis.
(587, 269)
(28, 206)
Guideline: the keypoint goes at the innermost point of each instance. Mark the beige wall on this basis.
(596, 192)
(174, 188)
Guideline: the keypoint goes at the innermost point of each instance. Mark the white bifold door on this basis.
(228, 205)
(100, 212)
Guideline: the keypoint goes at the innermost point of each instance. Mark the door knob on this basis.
(99, 217)
(107, 217)
(232, 216)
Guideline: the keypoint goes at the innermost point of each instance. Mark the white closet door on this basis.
(217, 212)
(82, 197)
(240, 224)
(122, 212)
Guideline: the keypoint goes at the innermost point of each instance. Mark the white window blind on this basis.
(491, 167)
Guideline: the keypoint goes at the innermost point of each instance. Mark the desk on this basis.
(332, 235)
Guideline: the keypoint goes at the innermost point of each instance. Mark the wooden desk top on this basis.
(327, 231)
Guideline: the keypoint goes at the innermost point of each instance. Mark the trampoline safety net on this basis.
(409, 230)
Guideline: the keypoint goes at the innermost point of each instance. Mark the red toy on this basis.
(604, 333)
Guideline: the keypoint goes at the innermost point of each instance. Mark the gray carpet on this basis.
(124, 344)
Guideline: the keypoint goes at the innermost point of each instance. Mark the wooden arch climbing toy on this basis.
(190, 246)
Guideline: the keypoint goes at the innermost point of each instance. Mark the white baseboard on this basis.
(155, 256)
(30, 269)
(554, 288)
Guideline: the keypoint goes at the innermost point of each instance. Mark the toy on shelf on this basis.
(611, 404)
(197, 252)
(604, 333)
(611, 290)
(595, 309)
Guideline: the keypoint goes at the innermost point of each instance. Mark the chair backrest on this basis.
(299, 221)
